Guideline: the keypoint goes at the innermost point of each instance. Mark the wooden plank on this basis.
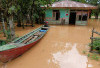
(23, 37)
(92, 41)
(96, 32)
(31, 40)
(38, 33)
(27, 39)
(27, 36)
(94, 38)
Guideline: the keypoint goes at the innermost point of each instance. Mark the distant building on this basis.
(68, 12)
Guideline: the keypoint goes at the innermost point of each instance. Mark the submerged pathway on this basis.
(61, 47)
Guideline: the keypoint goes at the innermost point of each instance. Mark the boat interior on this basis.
(26, 39)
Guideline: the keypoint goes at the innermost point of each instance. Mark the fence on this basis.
(93, 38)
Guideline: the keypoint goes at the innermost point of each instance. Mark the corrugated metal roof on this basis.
(72, 4)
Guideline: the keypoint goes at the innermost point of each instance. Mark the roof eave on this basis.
(85, 8)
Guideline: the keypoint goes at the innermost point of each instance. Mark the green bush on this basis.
(96, 45)
(2, 42)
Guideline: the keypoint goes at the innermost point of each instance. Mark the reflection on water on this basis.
(4, 65)
(89, 65)
(70, 59)
(68, 45)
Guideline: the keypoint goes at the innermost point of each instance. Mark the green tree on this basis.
(9, 9)
(97, 11)
(20, 9)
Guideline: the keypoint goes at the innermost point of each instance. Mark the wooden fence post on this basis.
(92, 41)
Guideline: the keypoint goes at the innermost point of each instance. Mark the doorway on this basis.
(72, 19)
(56, 14)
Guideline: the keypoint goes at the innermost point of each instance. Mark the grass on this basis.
(88, 55)
(95, 57)
(92, 56)
(96, 50)
(96, 46)
(84, 52)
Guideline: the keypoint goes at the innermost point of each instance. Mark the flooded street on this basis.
(61, 47)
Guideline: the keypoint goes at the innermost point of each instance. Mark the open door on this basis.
(72, 19)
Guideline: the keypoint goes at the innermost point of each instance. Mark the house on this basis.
(68, 12)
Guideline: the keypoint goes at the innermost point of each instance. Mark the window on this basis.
(82, 16)
(56, 14)
(79, 17)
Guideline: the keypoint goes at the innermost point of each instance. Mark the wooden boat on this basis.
(21, 45)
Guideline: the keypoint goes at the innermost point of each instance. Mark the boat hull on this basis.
(8, 55)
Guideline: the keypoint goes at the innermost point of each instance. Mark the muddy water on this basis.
(61, 47)
(20, 31)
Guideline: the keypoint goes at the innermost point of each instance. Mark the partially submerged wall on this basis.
(64, 14)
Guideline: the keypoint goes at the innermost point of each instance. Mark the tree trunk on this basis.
(32, 22)
(3, 26)
(11, 24)
(90, 16)
(31, 17)
(32, 11)
(18, 22)
(28, 20)
(8, 29)
(90, 13)
(96, 15)
(23, 24)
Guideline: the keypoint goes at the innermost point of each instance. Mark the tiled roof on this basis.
(72, 4)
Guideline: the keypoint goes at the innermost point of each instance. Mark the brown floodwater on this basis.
(61, 47)
(19, 31)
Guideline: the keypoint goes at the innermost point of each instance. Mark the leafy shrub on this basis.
(96, 45)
